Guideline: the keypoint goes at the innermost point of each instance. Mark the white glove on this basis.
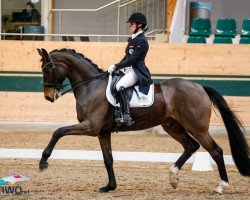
(111, 69)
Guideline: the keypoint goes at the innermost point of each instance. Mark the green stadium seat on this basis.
(200, 27)
(226, 28)
(193, 39)
(245, 40)
(245, 31)
(223, 40)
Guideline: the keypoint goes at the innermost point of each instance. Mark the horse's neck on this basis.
(86, 93)
(81, 71)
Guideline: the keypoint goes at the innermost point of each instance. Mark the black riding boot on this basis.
(125, 117)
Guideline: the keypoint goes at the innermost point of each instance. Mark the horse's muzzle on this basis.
(49, 98)
(49, 94)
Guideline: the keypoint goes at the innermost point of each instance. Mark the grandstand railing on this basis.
(134, 5)
(72, 35)
(89, 10)
(120, 4)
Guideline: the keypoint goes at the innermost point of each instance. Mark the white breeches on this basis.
(129, 79)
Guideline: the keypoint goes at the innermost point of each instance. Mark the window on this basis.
(19, 13)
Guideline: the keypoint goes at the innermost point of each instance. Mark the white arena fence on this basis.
(201, 160)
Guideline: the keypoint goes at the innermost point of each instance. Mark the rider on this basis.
(134, 64)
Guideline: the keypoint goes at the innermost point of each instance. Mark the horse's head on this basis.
(54, 73)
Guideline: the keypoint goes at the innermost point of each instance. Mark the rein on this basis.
(57, 86)
(80, 83)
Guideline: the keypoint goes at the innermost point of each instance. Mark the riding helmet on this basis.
(138, 18)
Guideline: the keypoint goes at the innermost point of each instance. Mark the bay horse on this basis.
(183, 108)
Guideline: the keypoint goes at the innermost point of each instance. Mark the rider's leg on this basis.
(129, 79)
(126, 116)
(126, 81)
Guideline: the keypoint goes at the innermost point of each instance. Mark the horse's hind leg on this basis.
(217, 154)
(175, 130)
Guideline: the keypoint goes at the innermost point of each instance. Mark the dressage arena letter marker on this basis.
(202, 162)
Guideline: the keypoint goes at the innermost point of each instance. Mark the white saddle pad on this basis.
(142, 101)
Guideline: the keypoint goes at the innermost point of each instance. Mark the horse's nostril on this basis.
(49, 98)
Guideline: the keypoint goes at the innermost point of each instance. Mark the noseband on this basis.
(57, 85)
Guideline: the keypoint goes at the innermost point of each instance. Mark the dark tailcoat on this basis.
(136, 52)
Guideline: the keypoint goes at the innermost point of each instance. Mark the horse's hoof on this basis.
(43, 166)
(217, 192)
(106, 189)
(173, 179)
(219, 189)
(175, 184)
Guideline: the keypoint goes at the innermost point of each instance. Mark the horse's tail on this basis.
(238, 143)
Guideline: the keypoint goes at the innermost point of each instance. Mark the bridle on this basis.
(57, 86)
(54, 84)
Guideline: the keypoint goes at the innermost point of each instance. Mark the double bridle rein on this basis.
(58, 85)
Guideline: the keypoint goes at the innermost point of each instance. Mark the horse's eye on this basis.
(46, 70)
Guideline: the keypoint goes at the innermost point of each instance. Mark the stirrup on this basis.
(128, 120)
(118, 119)
(129, 123)
(121, 121)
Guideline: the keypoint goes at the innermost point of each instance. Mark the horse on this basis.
(183, 108)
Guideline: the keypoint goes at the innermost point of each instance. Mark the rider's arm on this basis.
(140, 47)
(124, 58)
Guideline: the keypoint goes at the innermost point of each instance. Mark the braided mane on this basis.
(79, 55)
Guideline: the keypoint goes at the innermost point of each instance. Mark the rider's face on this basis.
(28, 8)
(132, 27)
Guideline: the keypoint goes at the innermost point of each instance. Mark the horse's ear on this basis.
(40, 52)
(45, 53)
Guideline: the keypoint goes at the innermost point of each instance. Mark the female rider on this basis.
(134, 64)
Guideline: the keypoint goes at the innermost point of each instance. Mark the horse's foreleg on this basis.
(83, 128)
(105, 142)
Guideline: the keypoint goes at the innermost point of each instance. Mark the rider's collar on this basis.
(136, 34)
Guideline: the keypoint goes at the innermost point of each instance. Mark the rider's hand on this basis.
(111, 69)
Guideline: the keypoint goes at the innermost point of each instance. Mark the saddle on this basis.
(135, 97)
